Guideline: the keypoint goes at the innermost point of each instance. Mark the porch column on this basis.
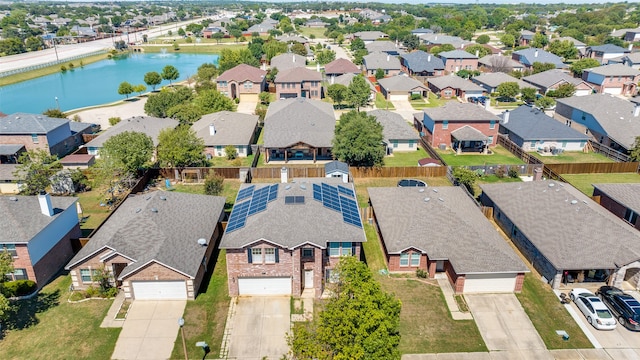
(459, 149)
(486, 149)
(315, 151)
(267, 155)
(285, 156)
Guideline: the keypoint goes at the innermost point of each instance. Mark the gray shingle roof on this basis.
(297, 74)
(495, 79)
(10, 149)
(290, 121)
(77, 126)
(614, 115)
(569, 38)
(231, 128)
(370, 35)
(452, 229)
(532, 55)
(394, 126)
(548, 78)
(625, 194)
(23, 123)
(144, 124)
(456, 54)
(580, 235)
(455, 82)
(336, 166)
(291, 226)
(168, 236)
(438, 38)
(382, 46)
(6, 172)
(614, 70)
(532, 124)
(288, 61)
(401, 83)
(456, 111)
(468, 133)
(382, 61)
(608, 48)
(21, 220)
(419, 61)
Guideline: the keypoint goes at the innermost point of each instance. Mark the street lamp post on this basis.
(184, 343)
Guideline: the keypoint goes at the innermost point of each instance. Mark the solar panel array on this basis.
(339, 198)
(255, 202)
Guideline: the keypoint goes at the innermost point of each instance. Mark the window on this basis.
(248, 84)
(307, 252)
(85, 275)
(412, 143)
(331, 276)
(346, 248)
(631, 216)
(445, 124)
(10, 248)
(492, 124)
(564, 144)
(270, 256)
(34, 138)
(339, 249)
(415, 259)
(533, 144)
(395, 143)
(256, 255)
(404, 259)
(20, 274)
(490, 140)
(222, 83)
(448, 93)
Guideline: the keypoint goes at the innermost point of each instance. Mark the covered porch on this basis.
(467, 139)
(299, 151)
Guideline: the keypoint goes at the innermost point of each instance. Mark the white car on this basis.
(593, 308)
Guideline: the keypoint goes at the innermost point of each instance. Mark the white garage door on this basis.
(399, 97)
(614, 91)
(249, 97)
(264, 286)
(584, 92)
(489, 283)
(159, 290)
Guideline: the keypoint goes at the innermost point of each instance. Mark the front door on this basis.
(117, 269)
(308, 279)
(439, 265)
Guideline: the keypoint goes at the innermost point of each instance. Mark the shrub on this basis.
(500, 171)
(236, 100)
(71, 66)
(213, 184)
(231, 152)
(18, 288)
(114, 120)
(237, 162)
(421, 274)
(416, 96)
(92, 292)
(111, 292)
(76, 118)
(63, 68)
(261, 112)
(513, 173)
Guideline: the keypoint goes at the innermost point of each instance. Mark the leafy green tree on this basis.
(158, 104)
(358, 55)
(231, 152)
(152, 79)
(528, 94)
(358, 140)
(170, 73)
(34, 43)
(563, 91)
(564, 49)
(579, 66)
(337, 93)
(273, 48)
(476, 48)
(539, 67)
(218, 36)
(634, 153)
(442, 48)
(465, 177)
(357, 44)
(483, 39)
(539, 41)
(213, 101)
(230, 58)
(186, 113)
(55, 113)
(129, 150)
(125, 89)
(180, 147)
(34, 171)
(325, 56)
(358, 92)
(545, 102)
(508, 89)
(298, 48)
(213, 184)
(181, 32)
(379, 74)
(6, 265)
(11, 46)
(508, 40)
(411, 42)
(265, 98)
(467, 74)
(140, 88)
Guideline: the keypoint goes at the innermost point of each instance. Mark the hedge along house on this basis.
(155, 246)
(559, 229)
(441, 230)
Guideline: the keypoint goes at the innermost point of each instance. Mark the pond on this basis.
(94, 84)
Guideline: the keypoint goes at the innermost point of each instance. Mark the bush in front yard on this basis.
(416, 96)
(18, 288)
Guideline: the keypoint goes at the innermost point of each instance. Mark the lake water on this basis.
(94, 84)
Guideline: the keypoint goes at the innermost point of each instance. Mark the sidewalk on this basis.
(447, 291)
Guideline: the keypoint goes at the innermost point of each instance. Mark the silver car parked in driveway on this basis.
(593, 308)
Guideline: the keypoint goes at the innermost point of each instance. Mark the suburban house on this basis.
(262, 29)
(340, 67)
(609, 120)
(370, 36)
(420, 31)
(448, 87)
(299, 129)
(315, 23)
(9, 182)
(584, 240)
(435, 229)
(144, 124)
(286, 61)
(374, 61)
(398, 135)
(457, 60)
(631, 60)
(490, 81)
(283, 239)
(387, 47)
(532, 130)
(525, 37)
(499, 63)
(155, 246)
(527, 57)
(35, 131)
(623, 200)
(346, 80)
(464, 127)
(401, 87)
(38, 232)
(420, 63)
(632, 35)
(552, 79)
(242, 81)
(299, 82)
(293, 39)
(433, 39)
(603, 53)
(224, 128)
(614, 79)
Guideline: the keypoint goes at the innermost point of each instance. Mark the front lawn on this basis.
(49, 327)
(572, 157)
(362, 184)
(308, 31)
(583, 181)
(500, 156)
(431, 101)
(548, 315)
(405, 158)
(382, 103)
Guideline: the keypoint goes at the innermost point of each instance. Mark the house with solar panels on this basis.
(286, 238)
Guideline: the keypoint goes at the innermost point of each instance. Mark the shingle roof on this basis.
(243, 72)
(532, 55)
(625, 194)
(336, 166)
(468, 133)
(608, 48)
(533, 124)
(291, 226)
(456, 54)
(290, 121)
(144, 124)
(370, 35)
(22, 219)
(499, 61)
(614, 115)
(292, 38)
(394, 126)
(614, 70)
(382, 46)
(569, 38)
(548, 78)
(526, 34)
(381, 61)
(341, 66)
(574, 235)
(457, 111)
(23, 123)
(77, 126)
(495, 79)
(401, 83)
(168, 236)
(298, 74)
(6, 172)
(437, 38)
(455, 82)
(10, 149)
(260, 28)
(231, 128)
(634, 58)
(448, 226)
(419, 61)
(287, 61)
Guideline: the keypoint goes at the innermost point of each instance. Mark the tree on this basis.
(218, 36)
(180, 147)
(358, 140)
(465, 177)
(467, 74)
(55, 113)
(539, 41)
(152, 79)
(539, 67)
(298, 48)
(358, 92)
(379, 74)
(6, 267)
(442, 48)
(564, 49)
(508, 40)
(231, 152)
(273, 48)
(265, 98)
(34, 43)
(337, 93)
(545, 102)
(170, 73)
(125, 89)
(476, 48)
(325, 56)
(357, 44)
(483, 39)
(213, 184)
(34, 171)
(634, 153)
(140, 88)
(130, 151)
(186, 113)
(158, 104)
(181, 32)
(230, 58)
(579, 66)
(508, 89)
(411, 42)
(360, 321)
(563, 91)
(210, 101)
(528, 94)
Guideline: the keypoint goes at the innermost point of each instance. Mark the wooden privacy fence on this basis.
(517, 150)
(608, 152)
(294, 172)
(594, 168)
(414, 171)
(430, 150)
(198, 174)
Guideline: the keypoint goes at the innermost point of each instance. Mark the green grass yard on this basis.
(239, 161)
(382, 103)
(405, 158)
(500, 156)
(583, 181)
(572, 157)
(307, 32)
(431, 102)
(93, 213)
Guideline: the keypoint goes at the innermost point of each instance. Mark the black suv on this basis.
(622, 305)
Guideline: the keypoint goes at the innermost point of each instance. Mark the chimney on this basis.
(45, 203)
(477, 53)
(284, 175)
(535, 54)
(429, 58)
(212, 129)
(631, 47)
(387, 57)
(505, 117)
(537, 174)
(333, 79)
(636, 110)
(294, 57)
(486, 104)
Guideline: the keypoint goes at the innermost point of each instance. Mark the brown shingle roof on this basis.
(243, 72)
(341, 66)
(298, 74)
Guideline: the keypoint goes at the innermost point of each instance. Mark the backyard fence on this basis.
(608, 152)
(493, 169)
(594, 168)
(398, 172)
(516, 150)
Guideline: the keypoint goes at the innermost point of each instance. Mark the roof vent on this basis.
(287, 187)
(154, 210)
(427, 199)
(552, 184)
(573, 202)
(441, 199)
(435, 190)
(148, 197)
(163, 198)
(13, 198)
(202, 242)
(421, 190)
(303, 186)
(138, 210)
(585, 201)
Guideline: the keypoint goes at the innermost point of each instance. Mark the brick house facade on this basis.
(299, 82)
(439, 123)
(614, 79)
(242, 80)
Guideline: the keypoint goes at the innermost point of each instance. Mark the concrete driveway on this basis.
(619, 338)
(504, 325)
(247, 107)
(150, 330)
(258, 328)
(404, 108)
